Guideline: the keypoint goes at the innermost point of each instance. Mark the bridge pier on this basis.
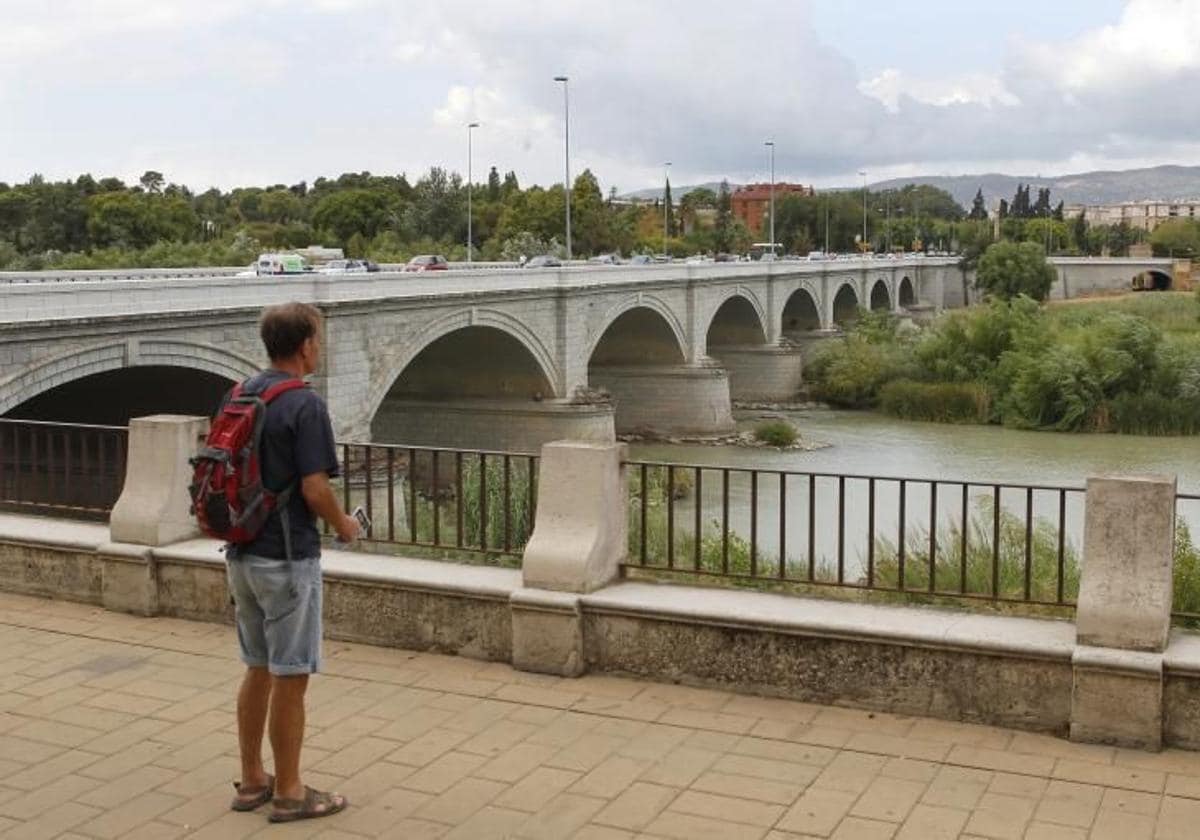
(503, 425)
(761, 371)
(667, 399)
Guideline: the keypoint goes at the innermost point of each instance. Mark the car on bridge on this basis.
(543, 261)
(427, 262)
(344, 267)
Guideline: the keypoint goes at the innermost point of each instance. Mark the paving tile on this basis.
(1052, 831)
(930, 822)
(912, 769)
(1177, 819)
(850, 772)
(586, 752)
(1000, 816)
(1069, 803)
(1008, 762)
(421, 750)
(1119, 825)
(120, 821)
(767, 768)
(1131, 802)
(126, 787)
(857, 828)
(817, 812)
(689, 827)
(888, 800)
(957, 787)
(636, 806)
(490, 823)
(897, 745)
(560, 817)
(538, 788)
(730, 808)
(461, 802)
(1129, 778)
(515, 763)
(441, 774)
(610, 777)
(748, 787)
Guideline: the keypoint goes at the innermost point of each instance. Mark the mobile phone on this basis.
(364, 522)
(364, 525)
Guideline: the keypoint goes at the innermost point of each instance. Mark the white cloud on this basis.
(264, 91)
(891, 85)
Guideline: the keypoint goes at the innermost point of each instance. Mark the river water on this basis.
(868, 444)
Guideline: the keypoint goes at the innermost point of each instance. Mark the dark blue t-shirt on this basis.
(297, 441)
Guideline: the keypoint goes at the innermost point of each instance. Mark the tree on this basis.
(723, 228)
(151, 181)
(978, 208)
(493, 185)
(1079, 232)
(669, 209)
(351, 211)
(590, 230)
(1176, 237)
(1009, 269)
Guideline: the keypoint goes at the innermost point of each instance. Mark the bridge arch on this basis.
(907, 294)
(1153, 280)
(801, 312)
(738, 320)
(880, 296)
(845, 305)
(137, 371)
(646, 308)
(482, 328)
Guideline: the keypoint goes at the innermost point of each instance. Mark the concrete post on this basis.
(579, 540)
(1123, 615)
(154, 509)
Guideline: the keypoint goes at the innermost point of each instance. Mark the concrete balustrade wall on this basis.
(1118, 675)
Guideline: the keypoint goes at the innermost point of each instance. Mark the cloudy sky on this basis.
(225, 92)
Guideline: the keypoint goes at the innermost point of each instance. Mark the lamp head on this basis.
(472, 125)
(560, 78)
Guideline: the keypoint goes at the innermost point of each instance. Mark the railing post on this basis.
(579, 539)
(153, 510)
(1123, 615)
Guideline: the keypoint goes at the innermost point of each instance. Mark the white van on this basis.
(280, 264)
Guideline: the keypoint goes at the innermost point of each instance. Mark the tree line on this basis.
(95, 223)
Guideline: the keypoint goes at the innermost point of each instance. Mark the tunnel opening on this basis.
(800, 313)
(1152, 281)
(880, 299)
(845, 306)
(736, 323)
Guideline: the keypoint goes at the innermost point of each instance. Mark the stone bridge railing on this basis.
(1118, 674)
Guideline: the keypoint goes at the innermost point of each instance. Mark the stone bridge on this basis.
(497, 358)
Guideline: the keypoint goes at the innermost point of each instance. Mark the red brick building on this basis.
(752, 203)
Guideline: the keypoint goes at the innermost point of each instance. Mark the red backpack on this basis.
(228, 496)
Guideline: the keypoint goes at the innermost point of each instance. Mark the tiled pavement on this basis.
(113, 726)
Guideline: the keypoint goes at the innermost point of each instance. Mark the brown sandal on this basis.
(315, 804)
(259, 796)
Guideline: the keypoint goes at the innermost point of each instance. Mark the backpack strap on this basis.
(281, 388)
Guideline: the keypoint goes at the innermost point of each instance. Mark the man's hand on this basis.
(348, 529)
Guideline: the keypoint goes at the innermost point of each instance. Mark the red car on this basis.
(427, 262)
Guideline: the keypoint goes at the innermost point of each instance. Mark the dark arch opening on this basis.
(639, 336)
(845, 306)
(113, 397)
(465, 389)
(880, 299)
(735, 323)
(907, 296)
(1152, 281)
(800, 313)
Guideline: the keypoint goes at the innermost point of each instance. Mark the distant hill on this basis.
(676, 192)
(1171, 183)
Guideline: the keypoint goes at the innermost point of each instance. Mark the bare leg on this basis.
(287, 733)
(252, 702)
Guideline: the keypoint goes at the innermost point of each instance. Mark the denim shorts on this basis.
(278, 613)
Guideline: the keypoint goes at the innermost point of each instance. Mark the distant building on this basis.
(752, 203)
(1146, 215)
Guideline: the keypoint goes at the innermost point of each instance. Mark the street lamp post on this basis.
(666, 202)
(470, 189)
(863, 173)
(771, 145)
(567, 156)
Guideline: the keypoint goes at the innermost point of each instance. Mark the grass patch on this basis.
(941, 402)
(778, 433)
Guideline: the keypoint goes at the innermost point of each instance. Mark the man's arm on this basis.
(318, 495)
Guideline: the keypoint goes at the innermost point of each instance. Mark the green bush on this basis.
(941, 402)
(777, 433)
(1010, 269)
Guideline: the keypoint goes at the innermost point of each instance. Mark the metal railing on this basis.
(970, 540)
(62, 468)
(466, 500)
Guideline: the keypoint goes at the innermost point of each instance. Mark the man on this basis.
(275, 579)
